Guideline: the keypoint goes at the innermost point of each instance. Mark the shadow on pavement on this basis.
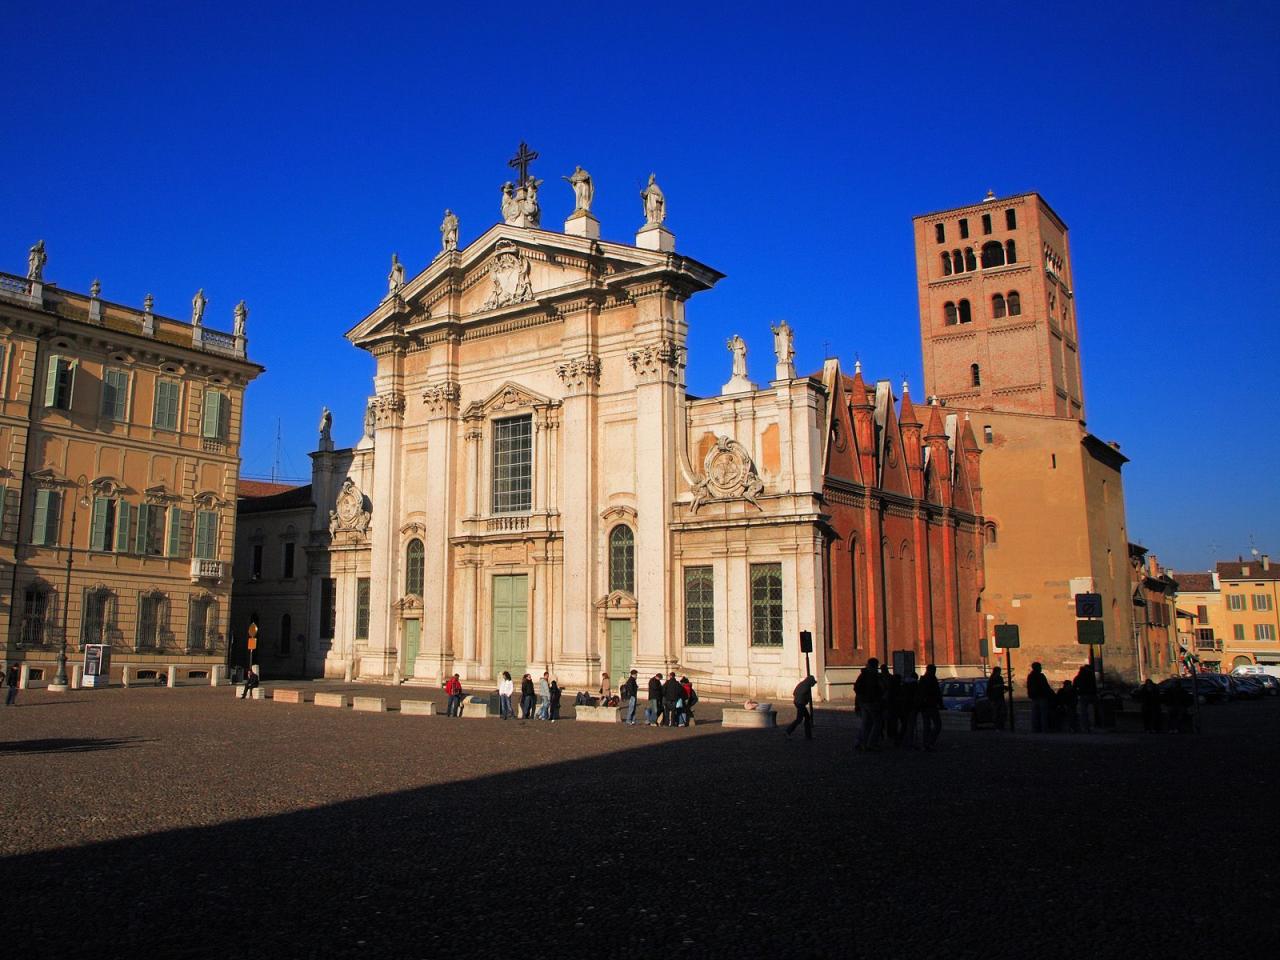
(67, 745)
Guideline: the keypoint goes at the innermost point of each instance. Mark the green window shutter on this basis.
(173, 402)
(40, 522)
(187, 521)
(51, 384)
(52, 516)
(123, 515)
(115, 391)
(9, 523)
(144, 523)
(212, 420)
(98, 528)
(206, 535)
(175, 531)
(168, 395)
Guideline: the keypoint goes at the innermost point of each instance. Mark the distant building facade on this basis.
(1000, 343)
(123, 426)
(1200, 621)
(1250, 591)
(1155, 615)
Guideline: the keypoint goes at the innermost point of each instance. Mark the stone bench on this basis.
(473, 711)
(338, 700)
(288, 696)
(737, 717)
(256, 694)
(598, 714)
(418, 708)
(369, 704)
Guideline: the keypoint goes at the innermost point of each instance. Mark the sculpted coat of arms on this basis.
(351, 512)
(727, 473)
(509, 275)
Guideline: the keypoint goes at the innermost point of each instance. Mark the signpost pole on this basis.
(1008, 680)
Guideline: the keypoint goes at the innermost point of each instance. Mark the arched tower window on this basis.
(622, 559)
(946, 264)
(1011, 219)
(997, 306)
(413, 567)
(991, 535)
(970, 261)
(1015, 303)
(966, 315)
(975, 375)
(1010, 252)
(957, 261)
(949, 314)
(992, 254)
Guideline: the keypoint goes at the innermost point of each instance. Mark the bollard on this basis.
(173, 676)
(24, 677)
(77, 676)
(218, 675)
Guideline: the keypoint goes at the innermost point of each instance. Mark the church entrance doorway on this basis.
(412, 643)
(510, 623)
(619, 649)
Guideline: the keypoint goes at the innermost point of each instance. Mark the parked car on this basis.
(1270, 684)
(1258, 669)
(968, 695)
(1248, 688)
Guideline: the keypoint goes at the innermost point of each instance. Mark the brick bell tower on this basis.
(997, 311)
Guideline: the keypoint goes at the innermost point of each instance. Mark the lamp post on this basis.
(60, 684)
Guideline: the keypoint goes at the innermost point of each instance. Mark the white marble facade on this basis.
(568, 352)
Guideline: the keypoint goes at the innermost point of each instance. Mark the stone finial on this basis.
(857, 366)
(991, 195)
(95, 288)
(906, 387)
(148, 302)
(148, 318)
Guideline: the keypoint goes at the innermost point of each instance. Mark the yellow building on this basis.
(119, 439)
(1200, 610)
(1250, 612)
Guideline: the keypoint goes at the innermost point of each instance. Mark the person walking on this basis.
(1149, 697)
(544, 697)
(526, 697)
(630, 694)
(689, 699)
(505, 688)
(671, 694)
(802, 697)
(12, 678)
(653, 712)
(869, 702)
(1086, 695)
(1041, 695)
(995, 696)
(929, 699)
(553, 699)
(453, 687)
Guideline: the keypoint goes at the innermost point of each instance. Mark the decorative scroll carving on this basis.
(581, 372)
(653, 360)
(388, 409)
(728, 473)
(440, 396)
(353, 510)
(509, 274)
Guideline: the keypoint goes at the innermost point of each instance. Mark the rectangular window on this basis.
(115, 391)
(168, 396)
(255, 570)
(206, 547)
(200, 624)
(964, 229)
(1264, 631)
(151, 530)
(986, 223)
(1011, 219)
(11, 512)
(35, 609)
(44, 525)
(1262, 601)
(94, 618)
(1237, 632)
(103, 525)
(699, 607)
(287, 563)
(940, 231)
(328, 613)
(512, 465)
(1204, 639)
(1202, 613)
(1235, 601)
(217, 416)
(60, 385)
(179, 532)
(766, 604)
(362, 608)
(988, 435)
(148, 621)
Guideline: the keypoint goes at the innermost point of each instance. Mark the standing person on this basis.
(453, 687)
(995, 696)
(1086, 695)
(544, 697)
(802, 697)
(526, 696)
(505, 688)
(1067, 706)
(908, 709)
(1041, 695)
(250, 683)
(1149, 695)
(12, 678)
(671, 693)
(606, 690)
(929, 698)
(653, 713)
(869, 701)
(630, 694)
(689, 698)
(553, 698)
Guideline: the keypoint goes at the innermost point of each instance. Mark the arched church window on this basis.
(622, 559)
(1015, 303)
(957, 261)
(975, 375)
(997, 306)
(970, 261)
(946, 264)
(1010, 252)
(413, 567)
(949, 315)
(992, 254)
(966, 313)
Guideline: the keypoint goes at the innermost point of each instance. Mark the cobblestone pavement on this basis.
(183, 823)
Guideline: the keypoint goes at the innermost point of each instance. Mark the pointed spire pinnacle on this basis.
(857, 367)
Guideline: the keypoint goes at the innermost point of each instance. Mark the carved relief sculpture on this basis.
(510, 276)
(579, 372)
(438, 396)
(352, 511)
(728, 473)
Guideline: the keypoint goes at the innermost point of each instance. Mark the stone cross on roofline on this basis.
(520, 162)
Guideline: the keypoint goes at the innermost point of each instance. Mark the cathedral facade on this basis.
(536, 490)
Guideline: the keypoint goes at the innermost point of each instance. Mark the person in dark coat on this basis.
(1086, 685)
(250, 683)
(630, 694)
(688, 698)
(1067, 700)
(802, 697)
(12, 678)
(1041, 695)
(527, 696)
(869, 702)
(671, 694)
(1149, 697)
(906, 709)
(891, 684)
(555, 701)
(929, 701)
(995, 696)
(653, 713)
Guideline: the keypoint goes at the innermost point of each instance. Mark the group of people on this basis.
(537, 702)
(1069, 707)
(892, 706)
(671, 701)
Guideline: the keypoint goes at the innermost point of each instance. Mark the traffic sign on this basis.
(1089, 605)
(1090, 631)
(253, 636)
(1007, 636)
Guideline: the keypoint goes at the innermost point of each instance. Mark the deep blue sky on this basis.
(281, 156)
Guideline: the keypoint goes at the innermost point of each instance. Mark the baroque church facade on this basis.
(536, 490)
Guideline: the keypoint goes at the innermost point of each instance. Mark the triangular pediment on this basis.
(509, 396)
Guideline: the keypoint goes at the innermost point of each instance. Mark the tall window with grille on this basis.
(699, 607)
(149, 609)
(766, 604)
(286, 559)
(362, 608)
(93, 623)
(200, 623)
(513, 465)
(328, 608)
(413, 567)
(35, 608)
(622, 559)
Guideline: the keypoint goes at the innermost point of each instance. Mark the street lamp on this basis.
(60, 684)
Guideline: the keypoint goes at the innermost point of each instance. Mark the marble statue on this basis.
(584, 190)
(395, 279)
(449, 231)
(326, 425)
(738, 347)
(370, 419)
(36, 259)
(510, 206)
(655, 202)
(198, 303)
(529, 210)
(242, 315)
(782, 342)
